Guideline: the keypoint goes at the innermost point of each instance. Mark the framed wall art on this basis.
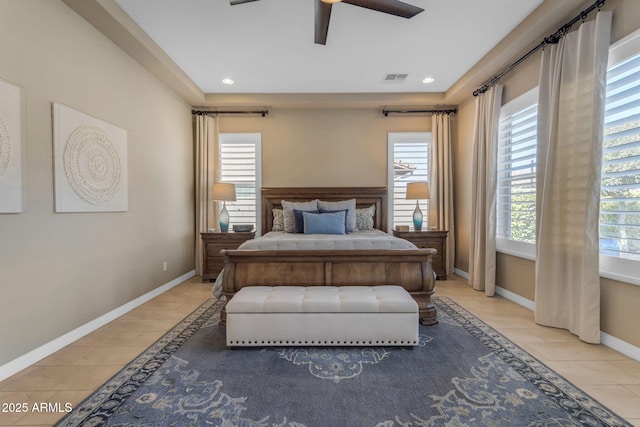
(90, 163)
(11, 195)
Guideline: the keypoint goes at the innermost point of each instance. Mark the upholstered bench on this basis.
(322, 315)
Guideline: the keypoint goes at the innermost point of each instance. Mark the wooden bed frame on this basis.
(410, 268)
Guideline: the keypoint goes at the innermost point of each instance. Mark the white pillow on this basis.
(349, 205)
(288, 216)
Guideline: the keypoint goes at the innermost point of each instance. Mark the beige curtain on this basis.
(206, 173)
(441, 184)
(570, 133)
(482, 251)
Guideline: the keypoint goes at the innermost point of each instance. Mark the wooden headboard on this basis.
(365, 197)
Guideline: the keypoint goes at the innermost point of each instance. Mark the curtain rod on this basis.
(388, 111)
(552, 39)
(263, 112)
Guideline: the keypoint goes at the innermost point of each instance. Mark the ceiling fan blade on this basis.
(323, 14)
(392, 7)
(235, 2)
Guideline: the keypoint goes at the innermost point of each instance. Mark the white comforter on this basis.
(280, 241)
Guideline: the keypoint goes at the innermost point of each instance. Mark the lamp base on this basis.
(224, 218)
(417, 218)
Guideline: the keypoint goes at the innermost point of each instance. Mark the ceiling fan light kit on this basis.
(323, 12)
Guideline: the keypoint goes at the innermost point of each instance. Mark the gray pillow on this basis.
(349, 205)
(288, 207)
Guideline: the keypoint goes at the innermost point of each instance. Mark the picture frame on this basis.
(90, 163)
(11, 148)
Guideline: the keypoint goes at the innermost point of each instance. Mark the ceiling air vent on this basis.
(395, 77)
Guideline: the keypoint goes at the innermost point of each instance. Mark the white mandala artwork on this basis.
(90, 163)
(5, 146)
(11, 195)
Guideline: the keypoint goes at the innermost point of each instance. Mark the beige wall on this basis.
(60, 271)
(324, 147)
(619, 304)
(619, 315)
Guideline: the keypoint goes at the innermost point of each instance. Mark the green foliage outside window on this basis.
(620, 192)
(523, 217)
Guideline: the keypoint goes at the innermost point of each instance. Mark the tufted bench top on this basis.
(322, 299)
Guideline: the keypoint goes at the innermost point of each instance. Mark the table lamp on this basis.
(417, 191)
(224, 192)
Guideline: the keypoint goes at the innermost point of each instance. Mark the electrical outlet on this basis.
(164, 266)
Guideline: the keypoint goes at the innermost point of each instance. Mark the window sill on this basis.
(517, 249)
(619, 269)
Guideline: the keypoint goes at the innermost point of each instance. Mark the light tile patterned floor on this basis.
(74, 372)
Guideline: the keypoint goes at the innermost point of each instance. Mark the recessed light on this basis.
(428, 80)
(227, 81)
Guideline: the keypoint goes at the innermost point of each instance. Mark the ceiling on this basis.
(267, 46)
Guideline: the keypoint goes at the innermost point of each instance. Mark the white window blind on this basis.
(517, 148)
(409, 161)
(620, 190)
(240, 165)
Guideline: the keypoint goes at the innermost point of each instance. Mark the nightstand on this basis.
(213, 243)
(430, 239)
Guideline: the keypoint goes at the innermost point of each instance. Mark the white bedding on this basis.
(281, 241)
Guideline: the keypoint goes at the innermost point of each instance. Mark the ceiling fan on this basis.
(323, 12)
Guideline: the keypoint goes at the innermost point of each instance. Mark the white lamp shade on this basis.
(224, 192)
(417, 191)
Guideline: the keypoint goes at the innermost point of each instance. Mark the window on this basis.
(516, 164)
(620, 185)
(409, 161)
(620, 180)
(240, 159)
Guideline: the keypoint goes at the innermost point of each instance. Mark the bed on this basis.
(281, 259)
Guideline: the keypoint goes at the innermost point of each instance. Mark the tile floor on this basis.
(74, 372)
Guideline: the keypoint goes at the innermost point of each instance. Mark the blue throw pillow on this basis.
(298, 221)
(324, 223)
(346, 217)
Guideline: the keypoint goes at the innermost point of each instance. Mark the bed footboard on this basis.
(410, 269)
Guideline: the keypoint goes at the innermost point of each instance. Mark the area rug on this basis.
(463, 373)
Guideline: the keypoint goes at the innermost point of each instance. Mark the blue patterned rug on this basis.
(463, 373)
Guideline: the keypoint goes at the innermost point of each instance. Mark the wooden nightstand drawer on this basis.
(213, 243)
(214, 267)
(215, 248)
(430, 239)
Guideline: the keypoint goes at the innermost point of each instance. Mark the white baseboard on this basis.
(26, 360)
(620, 346)
(607, 340)
(461, 273)
(527, 303)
